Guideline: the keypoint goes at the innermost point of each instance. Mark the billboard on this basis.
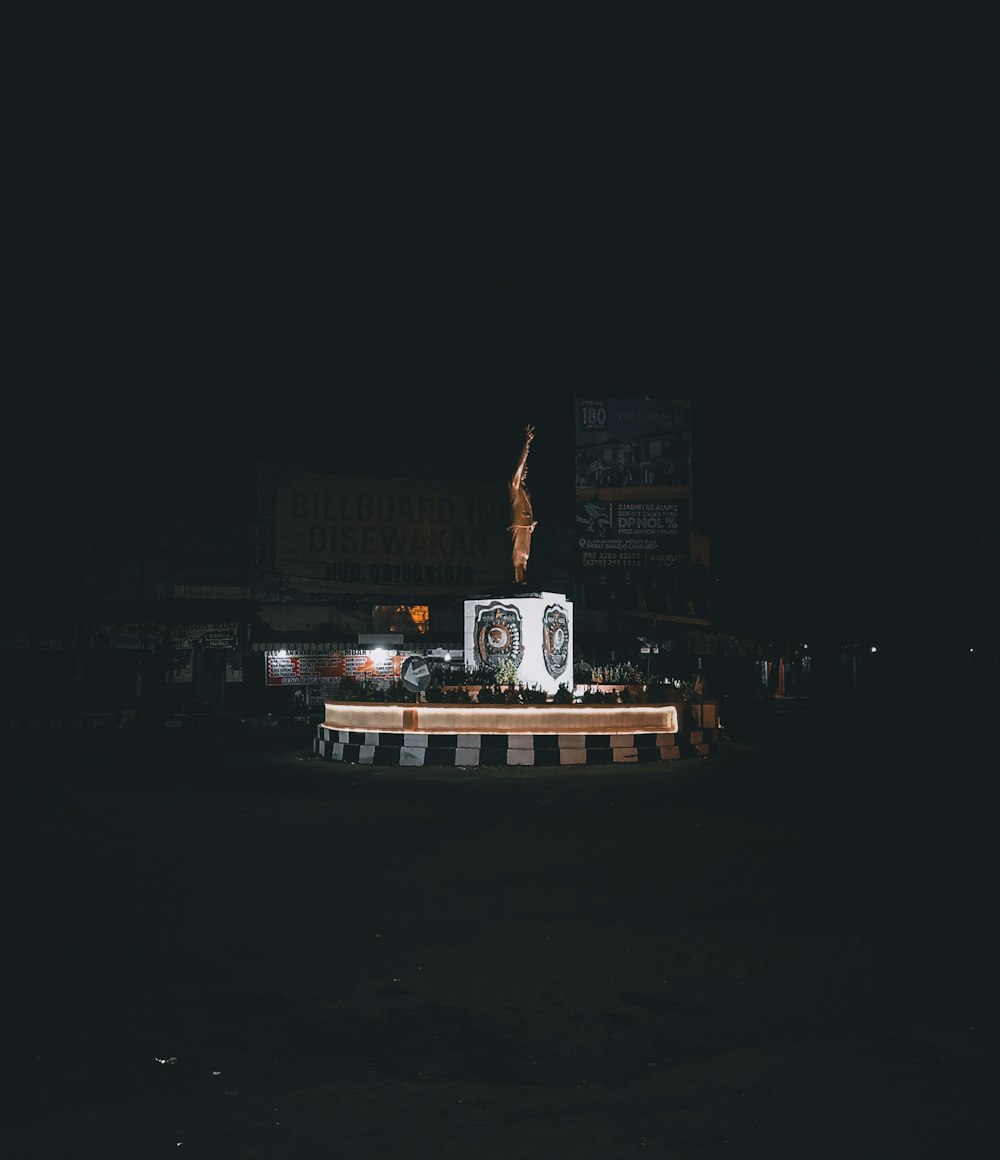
(629, 534)
(633, 483)
(321, 533)
(292, 668)
(633, 443)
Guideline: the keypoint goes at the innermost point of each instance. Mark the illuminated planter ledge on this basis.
(374, 733)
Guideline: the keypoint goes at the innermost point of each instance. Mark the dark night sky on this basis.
(355, 237)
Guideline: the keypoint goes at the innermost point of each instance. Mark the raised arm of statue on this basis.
(521, 522)
(517, 479)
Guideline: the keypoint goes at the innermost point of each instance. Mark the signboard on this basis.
(633, 443)
(322, 533)
(217, 634)
(287, 668)
(614, 534)
(54, 642)
(218, 638)
(415, 674)
(131, 636)
(185, 638)
(633, 483)
(211, 634)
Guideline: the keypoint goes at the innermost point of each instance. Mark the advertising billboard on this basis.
(627, 534)
(633, 483)
(321, 533)
(633, 443)
(292, 668)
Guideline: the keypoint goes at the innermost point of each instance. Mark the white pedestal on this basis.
(534, 631)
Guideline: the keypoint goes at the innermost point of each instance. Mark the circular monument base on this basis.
(463, 736)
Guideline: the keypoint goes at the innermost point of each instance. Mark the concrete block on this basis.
(572, 756)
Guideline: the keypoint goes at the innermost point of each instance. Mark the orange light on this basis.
(365, 717)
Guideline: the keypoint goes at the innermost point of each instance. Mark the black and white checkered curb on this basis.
(484, 749)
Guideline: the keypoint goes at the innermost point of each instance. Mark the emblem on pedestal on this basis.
(555, 640)
(498, 634)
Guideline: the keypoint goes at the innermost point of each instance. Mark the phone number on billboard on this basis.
(401, 573)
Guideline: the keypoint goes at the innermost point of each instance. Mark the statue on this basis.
(521, 523)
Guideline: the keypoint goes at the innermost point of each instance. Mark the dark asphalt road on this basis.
(218, 945)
